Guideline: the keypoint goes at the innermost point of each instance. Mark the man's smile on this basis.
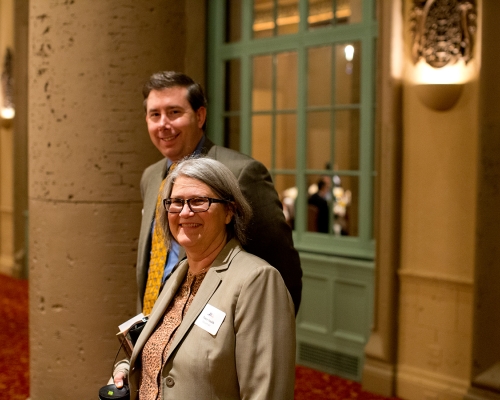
(169, 138)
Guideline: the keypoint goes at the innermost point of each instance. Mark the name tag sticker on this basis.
(210, 319)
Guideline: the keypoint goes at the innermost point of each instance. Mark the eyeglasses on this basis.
(196, 204)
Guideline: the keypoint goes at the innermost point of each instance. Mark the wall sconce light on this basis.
(7, 113)
(7, 110)
(439, 97)
(443, 40)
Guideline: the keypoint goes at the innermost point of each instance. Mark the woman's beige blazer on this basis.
(252, 355)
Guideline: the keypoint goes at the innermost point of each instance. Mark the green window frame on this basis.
(241, 53)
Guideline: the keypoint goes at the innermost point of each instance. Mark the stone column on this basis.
(486, 345)
(20, 140)
(379, 369)
(88, 146)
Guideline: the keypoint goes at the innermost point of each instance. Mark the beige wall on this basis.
(88, 146)
(437, 239)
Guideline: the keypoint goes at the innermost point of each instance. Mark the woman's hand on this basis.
(120, 373)
(119, 378)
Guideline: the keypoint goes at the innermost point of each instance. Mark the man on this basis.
(175, 115)
(319, 203)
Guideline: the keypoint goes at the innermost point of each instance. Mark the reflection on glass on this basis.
(286, 141)
(262, 132)
(286, 81)
(319, 76)
(356, 10)
(332, 204)
(288, 17)
(319, 203)
(322, 12)
(318, 140)
(270, 21)
(233, 21)
(262, 90)
(232, 101)
(347, 140)
(345, 205)
(347, 73)
(287, 191)
(232, 133)
(263, 18)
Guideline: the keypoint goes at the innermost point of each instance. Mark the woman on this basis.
(223, 326)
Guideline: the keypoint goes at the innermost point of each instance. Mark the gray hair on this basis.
(222, 182)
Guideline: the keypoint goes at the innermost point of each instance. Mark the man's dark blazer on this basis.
(268, 235)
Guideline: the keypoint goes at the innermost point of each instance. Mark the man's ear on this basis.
(201, 114)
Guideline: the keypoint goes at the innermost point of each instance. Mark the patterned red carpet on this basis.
(314, 385)
(14, 356)
(14, 349)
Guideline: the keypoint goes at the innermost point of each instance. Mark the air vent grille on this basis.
(335, 361)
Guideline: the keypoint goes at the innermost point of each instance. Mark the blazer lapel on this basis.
(166, 296)
(208, 287)
(207, 146)
(152, 196)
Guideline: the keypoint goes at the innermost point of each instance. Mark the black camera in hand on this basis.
(110, 392)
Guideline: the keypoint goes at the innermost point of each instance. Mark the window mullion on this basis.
(366, 142)
(246, 105)
(301, 156)
(333, 112)
(215, 85)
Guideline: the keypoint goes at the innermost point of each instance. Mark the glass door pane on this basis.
(347, 73)
(263, 18)
(232, 106)
(287, 191)
(262, 133)
(319, 143)
(286, 81)
(333, 138)
(333, 12)
(345, 205)
(332, 204)
(275, 18)
(319, 217)
(346, 148)
(286, 142)
(262, 83)
(274, 109)
(233, 21)
(319, 76)
(288, 17)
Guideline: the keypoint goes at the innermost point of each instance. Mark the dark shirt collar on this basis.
(196, 151)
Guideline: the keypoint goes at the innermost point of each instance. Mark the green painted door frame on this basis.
(334, 322)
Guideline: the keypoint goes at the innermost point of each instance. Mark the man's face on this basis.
(174, 127)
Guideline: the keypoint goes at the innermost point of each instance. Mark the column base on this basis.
(379, 377)
(481, 394)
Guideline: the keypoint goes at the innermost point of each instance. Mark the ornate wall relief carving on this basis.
(443, 31)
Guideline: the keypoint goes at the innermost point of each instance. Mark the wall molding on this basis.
(415, 383)
(431, 276)
(7, 265)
